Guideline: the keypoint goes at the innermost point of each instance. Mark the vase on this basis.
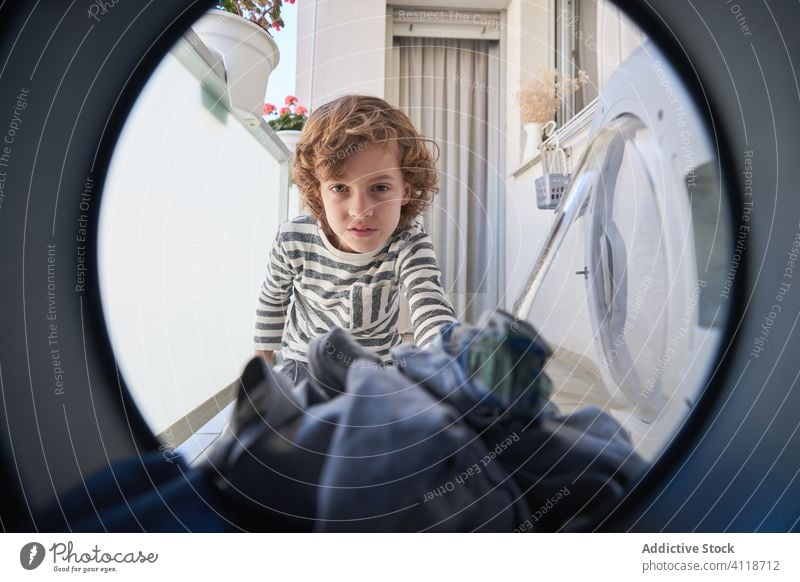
(533, 139)
(289, 137)
(248, 54)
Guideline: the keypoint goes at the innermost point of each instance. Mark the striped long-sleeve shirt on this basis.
(312, 287)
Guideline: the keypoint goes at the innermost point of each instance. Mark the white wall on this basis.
(617, 38)
(189, 212)
(528, 47)
(560, 312)
(348, 44)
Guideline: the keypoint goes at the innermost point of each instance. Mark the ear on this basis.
(408, 191)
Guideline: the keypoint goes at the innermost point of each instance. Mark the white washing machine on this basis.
(646, 192)
(656, 234)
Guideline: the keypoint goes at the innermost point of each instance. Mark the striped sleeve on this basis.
(420, 276)
(273, 300)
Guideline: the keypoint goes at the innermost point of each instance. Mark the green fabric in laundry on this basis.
(506, 357)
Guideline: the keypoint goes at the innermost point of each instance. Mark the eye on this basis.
(337, 188)
(381, 187)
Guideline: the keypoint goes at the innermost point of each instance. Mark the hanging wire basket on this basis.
(553, 184)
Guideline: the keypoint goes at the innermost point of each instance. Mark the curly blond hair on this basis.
(349, 124)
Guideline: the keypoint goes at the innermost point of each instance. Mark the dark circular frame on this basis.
(734, 465)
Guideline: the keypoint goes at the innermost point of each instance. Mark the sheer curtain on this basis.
(450, 88)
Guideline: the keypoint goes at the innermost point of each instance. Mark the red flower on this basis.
(300, 110)
(290, 100)
(284, 111)
(268, 108)
(290, 1)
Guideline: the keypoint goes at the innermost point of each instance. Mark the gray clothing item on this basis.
(294, 370)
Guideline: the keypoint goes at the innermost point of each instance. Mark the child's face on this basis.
(363, 205)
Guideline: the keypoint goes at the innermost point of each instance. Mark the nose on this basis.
(360, 204)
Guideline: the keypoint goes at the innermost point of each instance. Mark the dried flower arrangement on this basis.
(539, 98)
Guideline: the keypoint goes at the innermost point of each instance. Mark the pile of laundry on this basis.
(460, 436)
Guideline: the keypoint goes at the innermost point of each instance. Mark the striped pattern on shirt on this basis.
(312, 287)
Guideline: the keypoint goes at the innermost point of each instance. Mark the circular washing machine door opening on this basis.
(191, 205)
(631, 277)
(195, 192)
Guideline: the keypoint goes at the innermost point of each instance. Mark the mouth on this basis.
(361, 231)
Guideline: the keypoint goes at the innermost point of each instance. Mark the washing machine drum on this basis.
(652, 274)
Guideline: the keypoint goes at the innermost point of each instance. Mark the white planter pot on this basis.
(248, 53)
(533, 139)
(289, 137)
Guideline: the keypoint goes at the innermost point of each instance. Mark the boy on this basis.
(365, 174)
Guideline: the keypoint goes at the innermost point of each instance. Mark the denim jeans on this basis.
(295, 370)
